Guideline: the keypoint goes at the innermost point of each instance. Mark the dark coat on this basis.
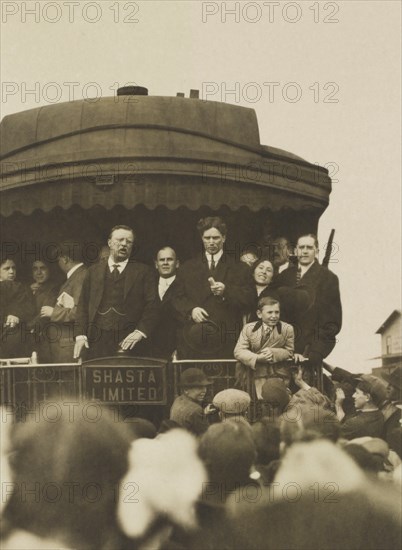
(189, 414)
(363, 424)
(46, 295)
(164, 338)
(15, 300)
(140, 299)
(317, 327)
(227, 311)
(294, 302)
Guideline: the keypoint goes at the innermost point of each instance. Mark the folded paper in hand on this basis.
(65, 300)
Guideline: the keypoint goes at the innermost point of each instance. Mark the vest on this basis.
(111, 312)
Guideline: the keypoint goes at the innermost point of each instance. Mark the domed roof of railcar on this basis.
(110, 125)
(198, 144)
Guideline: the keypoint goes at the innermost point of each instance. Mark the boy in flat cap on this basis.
(369, 420)
(265, 345)
(232, 404)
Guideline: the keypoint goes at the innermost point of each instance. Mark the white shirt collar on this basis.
(283, 267)
(71, 271)
(164, 284)
(120, 265)
(166, 281)
(217, 256)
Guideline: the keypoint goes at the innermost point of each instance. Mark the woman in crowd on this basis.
(44, 290)
(263, 274)
(8, 270)
(293, 301)
(16, 309)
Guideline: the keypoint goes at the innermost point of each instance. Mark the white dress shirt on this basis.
(120, 265)
(164, 284)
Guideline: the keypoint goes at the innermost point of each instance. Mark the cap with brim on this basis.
(374, 386)
(394, 377)
(193, 377)
(232, 401)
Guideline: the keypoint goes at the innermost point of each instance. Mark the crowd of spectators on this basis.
(81, 479)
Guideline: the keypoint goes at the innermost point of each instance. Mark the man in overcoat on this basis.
(214, 290)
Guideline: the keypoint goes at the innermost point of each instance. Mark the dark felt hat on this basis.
(274, 391)
(203, 339)
(193, 377)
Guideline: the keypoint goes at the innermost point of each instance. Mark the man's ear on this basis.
(259, 314)
(177, 264)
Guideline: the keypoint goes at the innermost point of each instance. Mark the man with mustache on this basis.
(118, 308)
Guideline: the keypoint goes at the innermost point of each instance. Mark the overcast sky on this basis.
(336, 102)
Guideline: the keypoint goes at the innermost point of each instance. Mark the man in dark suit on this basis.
(118, 309)
(316, 328)
(164, 336)
(59, 333)
(212, 287)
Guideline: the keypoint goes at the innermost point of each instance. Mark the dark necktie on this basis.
(265, 334)
(115, 272)
(298, 276)
(213, 265)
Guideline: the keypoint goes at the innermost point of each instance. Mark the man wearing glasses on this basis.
(118, 308)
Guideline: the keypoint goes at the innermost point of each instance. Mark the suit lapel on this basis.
(68, 283)
(199, 279)
(168, 292)
(255, 340)
(273, 337)
(311, 273)
(131, 275)
(98, 285)
(221, 269)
